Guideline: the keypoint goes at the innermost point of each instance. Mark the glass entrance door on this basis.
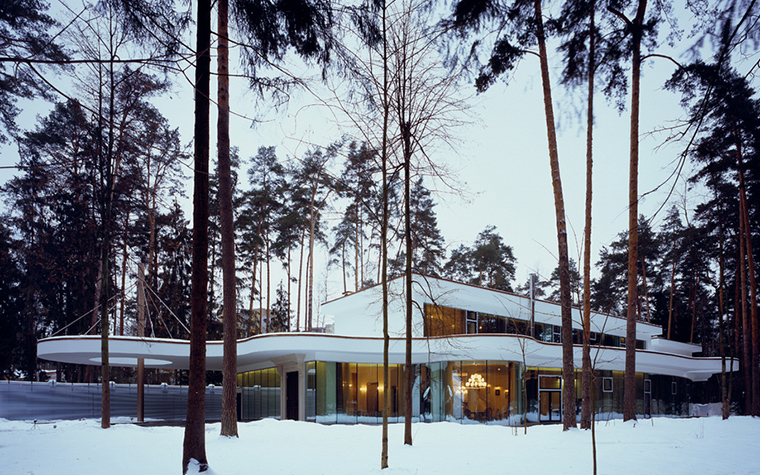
(549, 398)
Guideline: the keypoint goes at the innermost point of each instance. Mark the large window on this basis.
(442, 321)
(353, 393)
(260, 396)
(478, 391)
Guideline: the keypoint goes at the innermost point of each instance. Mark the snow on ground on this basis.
(656, 446)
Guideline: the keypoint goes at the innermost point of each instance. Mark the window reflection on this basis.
(260, 394)
(463, 391)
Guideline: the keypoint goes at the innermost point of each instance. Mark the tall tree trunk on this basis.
(646, 288)
(310, 267)
(300, 275)
(123, 280)
(695, 286)
(140, 333)
(289, 281)
(253, 280)
(629, 383)
(384, 244)
(194, 443)
(586, 359)
(407, 138)
(343, 267)
(361, 253)
(357, 250)
(264, 320)
(89, 373)
(252, 296)
(109, 169)
(721, 325)
(746, 329)
(212, 282)
(744, 216)
(672, 290)
(269, 279)
(568, 369)
(229, 297)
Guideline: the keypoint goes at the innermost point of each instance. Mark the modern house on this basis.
(479, 355)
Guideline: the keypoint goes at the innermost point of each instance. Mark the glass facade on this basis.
(444, 321)
(491, 392)
(471, 391)
(351, 393)
(259, 394)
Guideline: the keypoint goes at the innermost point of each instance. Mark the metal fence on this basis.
(24, 400)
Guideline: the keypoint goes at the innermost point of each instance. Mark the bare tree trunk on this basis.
(269, 279)
(586, 360)
(406, 136)
(343, 267)
(310, 267)
(194, 443)
(646, 288)
(290, 296)
(300, 275)
(755, 374)
(123, 281)
(746, 336)
(252, 296)
(140, 334)
(357, 249)
(672, 291)
(229, 297)
(593, 436)
(695, 287)
(361, 253)
(90, 370)
(629, 385)
(568, 369)
(109, 169)
(721, 326)
(212, 282)
(384, 244)
(264, 320)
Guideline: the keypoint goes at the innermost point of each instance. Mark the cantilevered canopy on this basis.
(263, 351)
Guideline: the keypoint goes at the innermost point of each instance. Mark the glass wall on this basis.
(472, 391)
(488, 392)
(655, 395)
(669, 395)
(260, 394)
(442, 321)
(353, 393)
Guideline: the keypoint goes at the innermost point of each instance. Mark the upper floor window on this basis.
(443, 321)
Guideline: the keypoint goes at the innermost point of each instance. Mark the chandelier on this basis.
(476, 381)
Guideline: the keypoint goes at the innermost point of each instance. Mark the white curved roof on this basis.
(262, 351)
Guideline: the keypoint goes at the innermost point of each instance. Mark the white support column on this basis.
(301, 389)
(288, 364)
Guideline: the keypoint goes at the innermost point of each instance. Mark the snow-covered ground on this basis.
(657, 446)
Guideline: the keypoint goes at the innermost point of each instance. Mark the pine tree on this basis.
(489, 262)
(263, 205)
(14, 351)
(25, 25)
(427, 241)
